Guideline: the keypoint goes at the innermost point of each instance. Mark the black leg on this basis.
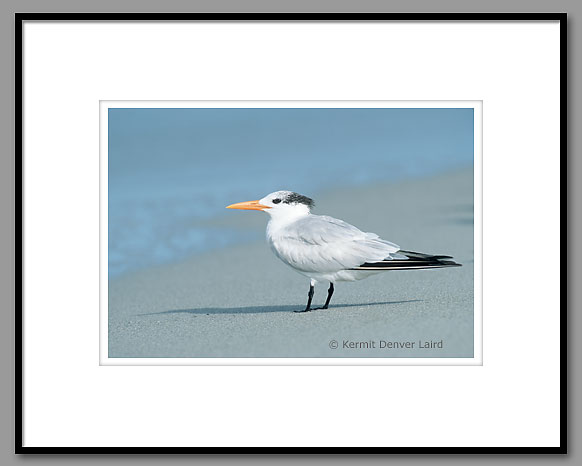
(309, 298)
(329, 294)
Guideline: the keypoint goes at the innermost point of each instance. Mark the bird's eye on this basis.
(276, 201)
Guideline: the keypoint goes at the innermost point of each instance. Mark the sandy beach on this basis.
(238, 301)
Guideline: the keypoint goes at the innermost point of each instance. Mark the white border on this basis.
(477, 358)
(512, 400)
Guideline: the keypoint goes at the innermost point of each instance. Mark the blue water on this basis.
(172, 169)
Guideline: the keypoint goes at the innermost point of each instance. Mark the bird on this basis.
(326, 249)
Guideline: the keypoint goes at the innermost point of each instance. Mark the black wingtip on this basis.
(450, 263)
(414, 260)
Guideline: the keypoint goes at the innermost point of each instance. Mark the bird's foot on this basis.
(304, 310)
(318, 308)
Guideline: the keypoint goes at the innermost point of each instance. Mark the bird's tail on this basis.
(413, 260)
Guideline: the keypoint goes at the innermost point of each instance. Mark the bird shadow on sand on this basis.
(269, 309)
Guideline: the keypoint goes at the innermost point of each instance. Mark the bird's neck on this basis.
(283, 218)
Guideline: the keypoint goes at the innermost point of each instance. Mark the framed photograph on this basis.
(233, 224)
(168, 169)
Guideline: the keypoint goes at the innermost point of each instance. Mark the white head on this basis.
(280, 204)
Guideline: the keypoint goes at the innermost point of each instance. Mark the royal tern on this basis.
(327, 249)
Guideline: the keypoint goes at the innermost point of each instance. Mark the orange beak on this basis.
(249, 205)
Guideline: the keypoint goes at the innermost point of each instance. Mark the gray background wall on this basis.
(7, 180)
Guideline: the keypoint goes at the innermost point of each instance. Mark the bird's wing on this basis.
(320, 244)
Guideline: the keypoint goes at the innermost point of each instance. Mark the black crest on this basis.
(295, 198)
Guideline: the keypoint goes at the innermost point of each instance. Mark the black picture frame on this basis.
(19, 383)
